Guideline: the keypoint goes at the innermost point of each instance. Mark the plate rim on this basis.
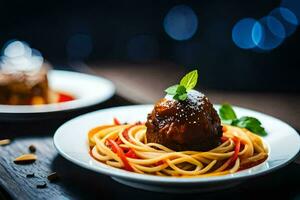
(67, 106)
(132, 176)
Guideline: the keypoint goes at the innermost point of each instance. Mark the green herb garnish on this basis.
(188, 82)
(228, 116)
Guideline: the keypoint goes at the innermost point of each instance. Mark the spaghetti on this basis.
(125, 146)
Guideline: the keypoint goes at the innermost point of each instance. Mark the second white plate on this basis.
(88, 90)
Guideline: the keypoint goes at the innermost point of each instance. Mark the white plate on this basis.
(71, 142)
(87, 89)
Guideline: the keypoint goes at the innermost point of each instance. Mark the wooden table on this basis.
(146, 84)
(77, 183)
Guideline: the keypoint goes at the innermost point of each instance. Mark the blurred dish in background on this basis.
(23, 77)
(29, 88)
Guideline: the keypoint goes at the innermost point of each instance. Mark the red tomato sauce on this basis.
(62, 97)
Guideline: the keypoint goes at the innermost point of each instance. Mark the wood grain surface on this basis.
(73, 183)
(77, 183)
(13, 176)
(16, 178)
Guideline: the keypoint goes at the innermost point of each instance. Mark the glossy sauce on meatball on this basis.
(192, 124)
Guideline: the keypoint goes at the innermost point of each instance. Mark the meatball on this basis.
(192, 124)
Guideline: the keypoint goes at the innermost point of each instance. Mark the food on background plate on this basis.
(182, 137)
(23, 78)
(23, 88)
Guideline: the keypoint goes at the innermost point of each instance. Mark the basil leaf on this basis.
(180, 97)
(228, 116)
(181, 90)
(183, 97)
(172, 90)
(243, 121)
(227, 121)
(250, 123)
(227, 112)
(189, 81)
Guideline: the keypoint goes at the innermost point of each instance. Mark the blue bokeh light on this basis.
(242, 33)
(181, 22)
(268, 33)
(276, 27)
(257, 33)
(287, 18)
(293, 6)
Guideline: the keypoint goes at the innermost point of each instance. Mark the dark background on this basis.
(132, 31)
